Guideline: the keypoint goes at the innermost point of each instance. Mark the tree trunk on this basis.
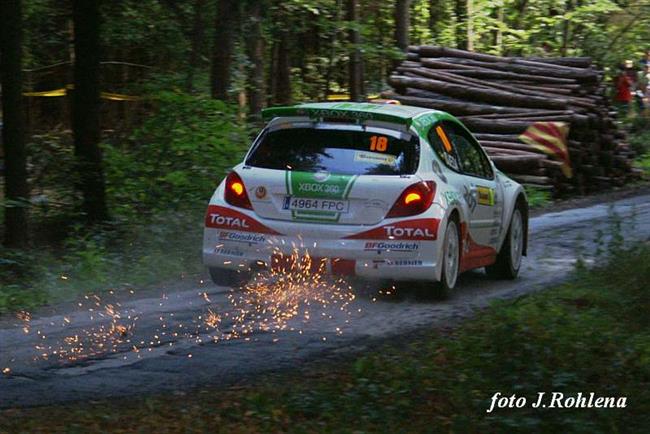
(255, 48)
(402, 23)
(13, 141)
(566, 29)
(498, 33)
(272, 79)
(520, 8)
(332, 50)
(436, 13)
(196, 42)
(85, 109)
(470, 25)
(226, 19)
(356, 70)
(283, 84)
(460, 9)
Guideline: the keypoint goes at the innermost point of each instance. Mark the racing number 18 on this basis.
(378, 143)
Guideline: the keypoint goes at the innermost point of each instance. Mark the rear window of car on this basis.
(347, 152)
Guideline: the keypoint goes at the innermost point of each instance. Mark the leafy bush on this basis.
(639, 134)
(158, 181)
(94, 260)
(537, 197)
(177, 157)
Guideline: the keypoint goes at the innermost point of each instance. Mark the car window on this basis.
(472, 160)
(347, 152)
(444, 148)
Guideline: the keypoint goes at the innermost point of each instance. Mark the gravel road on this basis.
(174, 349)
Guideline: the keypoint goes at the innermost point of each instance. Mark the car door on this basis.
(479, 186)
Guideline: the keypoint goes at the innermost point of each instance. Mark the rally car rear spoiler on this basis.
(339, 112)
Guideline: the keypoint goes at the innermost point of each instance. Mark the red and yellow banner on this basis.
(550, 138)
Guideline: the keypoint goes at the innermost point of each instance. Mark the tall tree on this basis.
(85, 108)
(498, 31)
(566, 28)
(434, 17)
(255, 52)
(332, 48)
(283, 78)
(402, 23)
(196, 42)
(469, 25)
(16, 186)
(356, 65)
(279, 77)
(460, 10)
(225, 25)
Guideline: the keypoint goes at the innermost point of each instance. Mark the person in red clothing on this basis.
(624, 86)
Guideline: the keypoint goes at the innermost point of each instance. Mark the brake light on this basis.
(236, 192)
(415, 199)
(412, 197)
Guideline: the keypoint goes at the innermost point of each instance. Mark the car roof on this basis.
(395, 113)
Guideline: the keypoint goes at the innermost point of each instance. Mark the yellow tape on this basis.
(64, 90)
(346, 97)
(55, 92)
(119, 97)
(338, 97)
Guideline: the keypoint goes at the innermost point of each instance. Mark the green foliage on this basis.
(537, 197)
(639, 140)
(639, 134)
(47, 31)
(643, 163)
(590, 335)
(158, 181)
(51, 157)
(147, 31)
(177, 157)
(14, 266)
(165, 247)
(606, 30)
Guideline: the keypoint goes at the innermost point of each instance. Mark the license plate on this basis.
(310, 204)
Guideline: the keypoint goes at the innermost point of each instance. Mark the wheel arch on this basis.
(455, 213)
(522, 203)
(516, 200)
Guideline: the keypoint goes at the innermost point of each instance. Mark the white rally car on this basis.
(377, 190)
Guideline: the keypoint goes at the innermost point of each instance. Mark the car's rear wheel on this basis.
(450, 260)
(509, 258)
(227, 277)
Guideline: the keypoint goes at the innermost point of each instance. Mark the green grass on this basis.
(124, 256)
(589, 335)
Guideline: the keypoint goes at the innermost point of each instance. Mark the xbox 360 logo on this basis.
(318, 188)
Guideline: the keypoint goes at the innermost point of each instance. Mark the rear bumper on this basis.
(401, 249)
(371, 258)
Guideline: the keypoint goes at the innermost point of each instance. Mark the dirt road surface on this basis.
(161, 343)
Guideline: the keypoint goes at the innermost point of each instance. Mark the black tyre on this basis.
(509, 258)
(450, 260)
(226, 277)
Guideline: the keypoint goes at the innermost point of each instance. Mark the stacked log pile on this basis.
(498, 98)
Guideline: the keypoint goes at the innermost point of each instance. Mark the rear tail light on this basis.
(235, 193)
(416, 199)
